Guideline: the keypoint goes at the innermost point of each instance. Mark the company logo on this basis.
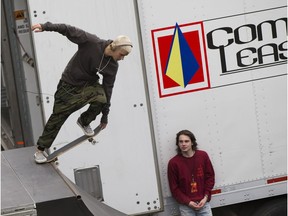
(241, 48)
(251, 46)
(180, 59)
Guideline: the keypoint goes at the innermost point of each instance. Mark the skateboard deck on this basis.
(55, 154)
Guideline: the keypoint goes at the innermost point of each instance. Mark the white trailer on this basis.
(217, 68)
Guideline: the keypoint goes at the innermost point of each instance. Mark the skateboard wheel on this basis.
(55, 159)
(92, 140)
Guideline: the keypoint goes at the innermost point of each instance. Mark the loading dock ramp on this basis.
(31, 189)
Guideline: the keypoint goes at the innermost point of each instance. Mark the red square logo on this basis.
(180, 59)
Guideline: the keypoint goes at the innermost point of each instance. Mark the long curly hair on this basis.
(190, 135)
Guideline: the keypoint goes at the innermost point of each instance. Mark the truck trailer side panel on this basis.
(235, 101)
(124, 151)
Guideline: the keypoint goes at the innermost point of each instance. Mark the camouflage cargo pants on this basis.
(67, 100)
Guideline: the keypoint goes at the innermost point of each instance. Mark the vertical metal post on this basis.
(148, 100)
(14, 78)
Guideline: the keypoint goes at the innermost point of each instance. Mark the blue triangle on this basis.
(189, 62)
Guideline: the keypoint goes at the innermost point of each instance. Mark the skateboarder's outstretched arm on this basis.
(73, 33)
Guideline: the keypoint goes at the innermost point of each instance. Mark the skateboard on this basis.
(53, 157)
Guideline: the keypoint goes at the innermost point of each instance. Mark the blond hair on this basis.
(123, 42)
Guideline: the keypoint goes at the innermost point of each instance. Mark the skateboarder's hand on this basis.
(103, 125)
(37, 28)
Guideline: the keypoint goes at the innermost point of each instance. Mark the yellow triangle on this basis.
(174, 67)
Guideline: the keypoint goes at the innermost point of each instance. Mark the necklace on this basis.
(99, 69)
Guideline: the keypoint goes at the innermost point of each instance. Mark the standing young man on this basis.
(79, 84)
(191, 176)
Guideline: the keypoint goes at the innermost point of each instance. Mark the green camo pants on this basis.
(67, 100)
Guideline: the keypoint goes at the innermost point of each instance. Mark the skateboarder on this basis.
(79, 84)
